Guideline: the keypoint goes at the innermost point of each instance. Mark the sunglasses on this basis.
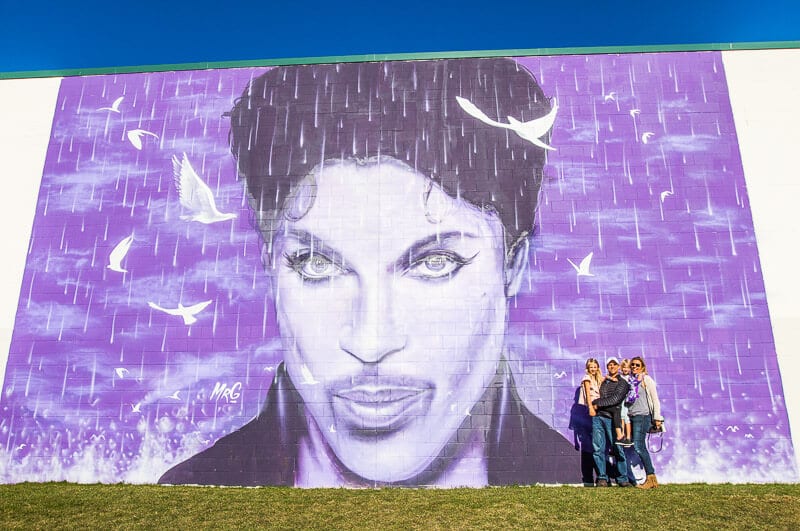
(636, 364)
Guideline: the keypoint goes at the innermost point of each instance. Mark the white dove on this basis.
(118, 254)
(175, 396)
(611, 96)
(195, 195)
(646, 136)
(114, 106)
(135, 137)
(121, 372)
(583, 268)
(187, 312)
(531, 131)
(136, 408)
(665, 194)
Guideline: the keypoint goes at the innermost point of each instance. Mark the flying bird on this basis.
(114, 106)
(175, 396)
(186, 312)
(195, 195)
(611, 96)
(560, 375)
(135, 137)
(583, 268)
(634, 112)
(647, 136)
(532, 131)
(118, 254)
(308, 378)
(665, 194)
(121, 372)
(734, 429)
(136, 408)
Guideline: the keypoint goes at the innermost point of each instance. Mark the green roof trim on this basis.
(655, 48)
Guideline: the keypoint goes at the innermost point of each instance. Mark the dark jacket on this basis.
(521, 448)
(612, 394)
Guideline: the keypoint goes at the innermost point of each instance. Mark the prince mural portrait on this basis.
(388, 274)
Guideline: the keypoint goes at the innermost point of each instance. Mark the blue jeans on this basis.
(602, 437)
(639, 426)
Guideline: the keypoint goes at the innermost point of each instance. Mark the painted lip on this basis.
(382, 407)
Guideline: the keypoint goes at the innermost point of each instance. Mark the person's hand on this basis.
(658, 423)
(592, 411)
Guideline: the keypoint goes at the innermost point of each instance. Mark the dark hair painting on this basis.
(292, 119)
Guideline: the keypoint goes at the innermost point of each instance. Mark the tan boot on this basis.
(650, 482)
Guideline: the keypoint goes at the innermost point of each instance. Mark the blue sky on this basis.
(36, 35)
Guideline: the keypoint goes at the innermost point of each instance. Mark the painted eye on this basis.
(314, 267)
(436, 265)
(319, 265)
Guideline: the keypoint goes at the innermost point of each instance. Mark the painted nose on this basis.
(372, 333)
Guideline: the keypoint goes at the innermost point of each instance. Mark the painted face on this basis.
(391, 304)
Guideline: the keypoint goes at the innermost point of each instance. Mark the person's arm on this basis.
(586, 386)
(652, 393)
(616, 396)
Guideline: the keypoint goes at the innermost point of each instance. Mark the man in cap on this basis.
(612, 392)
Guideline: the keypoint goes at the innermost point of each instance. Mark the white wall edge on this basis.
(764, 87)
(26, 112)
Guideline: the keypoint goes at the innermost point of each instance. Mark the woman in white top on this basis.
(590, 385)
(644, 411)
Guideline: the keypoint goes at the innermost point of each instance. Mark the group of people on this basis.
(624, 407)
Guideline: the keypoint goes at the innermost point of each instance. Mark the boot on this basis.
(650, 482)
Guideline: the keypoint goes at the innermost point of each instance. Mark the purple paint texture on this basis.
(646, 176)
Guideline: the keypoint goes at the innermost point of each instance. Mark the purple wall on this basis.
(646, 175)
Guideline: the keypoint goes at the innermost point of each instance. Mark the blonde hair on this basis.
(625, 363)
(597, 378)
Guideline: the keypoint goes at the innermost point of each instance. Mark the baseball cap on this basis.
(612, 359)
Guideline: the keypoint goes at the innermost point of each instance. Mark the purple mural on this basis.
(357, 296)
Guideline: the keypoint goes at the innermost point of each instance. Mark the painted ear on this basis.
(516, 265)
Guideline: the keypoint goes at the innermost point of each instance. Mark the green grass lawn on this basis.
(61, 505)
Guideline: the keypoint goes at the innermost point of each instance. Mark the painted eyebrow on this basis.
(316, 243)
(433, 241)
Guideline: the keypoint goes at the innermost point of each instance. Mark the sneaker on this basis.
(625, 484)
(625, 442)
(602, 483)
